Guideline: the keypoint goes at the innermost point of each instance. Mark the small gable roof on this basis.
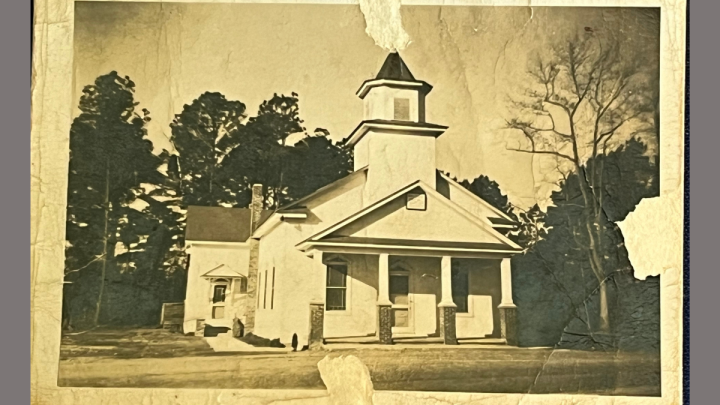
(223, 271)
(220, 224)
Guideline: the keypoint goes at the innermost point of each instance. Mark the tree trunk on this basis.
(604, 315)
(103, 270)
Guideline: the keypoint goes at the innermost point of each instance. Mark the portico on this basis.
(417, 294)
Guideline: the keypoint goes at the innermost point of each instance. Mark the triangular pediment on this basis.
(222, 271)
(417, 214)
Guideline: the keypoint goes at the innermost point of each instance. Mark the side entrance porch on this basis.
(394, 295)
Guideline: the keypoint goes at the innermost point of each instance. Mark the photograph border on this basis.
(52, 107)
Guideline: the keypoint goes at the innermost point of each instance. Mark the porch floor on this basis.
(400, 339)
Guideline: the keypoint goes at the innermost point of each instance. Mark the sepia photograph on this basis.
(255, 191)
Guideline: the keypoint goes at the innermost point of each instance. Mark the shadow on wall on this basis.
(485, 282)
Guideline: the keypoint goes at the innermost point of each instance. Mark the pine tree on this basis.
(110, 157)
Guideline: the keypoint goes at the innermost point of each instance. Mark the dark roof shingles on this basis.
(220, 224)
(395, 68)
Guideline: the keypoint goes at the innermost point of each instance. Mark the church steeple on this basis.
(393, 140)
(394, 94)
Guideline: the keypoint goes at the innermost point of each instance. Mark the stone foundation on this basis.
(317, 321)
(385, 324)
(448, 327)
(508, 325)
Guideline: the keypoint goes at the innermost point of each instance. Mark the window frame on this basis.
(396, 100)
(217, 307)
(219, 282)
(343, 288)
(414, 197)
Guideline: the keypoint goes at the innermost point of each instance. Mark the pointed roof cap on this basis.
(394, 73)
(395, 68)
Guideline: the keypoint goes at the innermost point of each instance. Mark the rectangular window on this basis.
(402, 109)
(242, 285)
(257, 289)
(460, 289)
(272, 290)
(265, 292)
(218, 312)
(416, 201)
(219, 293)
(336, 287)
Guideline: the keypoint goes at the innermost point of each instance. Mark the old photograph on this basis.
(255, 189)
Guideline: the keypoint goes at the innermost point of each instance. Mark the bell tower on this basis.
(394, 141)
(394, 94)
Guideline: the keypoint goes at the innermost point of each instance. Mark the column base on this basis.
(385, 324)
(448, 326)
(317, 323)
(508, 324)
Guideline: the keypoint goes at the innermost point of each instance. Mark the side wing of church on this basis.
(395, 250)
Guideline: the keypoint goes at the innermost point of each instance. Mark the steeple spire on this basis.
(394, 73)
(395, 68)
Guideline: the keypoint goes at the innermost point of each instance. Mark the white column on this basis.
(384, 280)
(446, 282)
(506, 280)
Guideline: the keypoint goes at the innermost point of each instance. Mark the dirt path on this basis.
(474, 370)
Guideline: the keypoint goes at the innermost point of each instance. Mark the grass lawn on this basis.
(155, 358)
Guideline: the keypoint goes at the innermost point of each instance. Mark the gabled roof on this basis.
(395, 68)
(222, 271)
(327, 235)
(300, 206)
(219, 224)
(501, 219)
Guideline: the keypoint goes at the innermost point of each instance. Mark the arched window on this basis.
(219, 290)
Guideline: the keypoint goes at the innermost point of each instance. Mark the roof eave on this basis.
(309, 245)
(423, 87)
(365, 126)
(216, 242)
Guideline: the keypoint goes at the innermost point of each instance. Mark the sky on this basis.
(474, 57)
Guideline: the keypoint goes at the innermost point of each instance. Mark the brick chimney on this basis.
(256, 209)
(256, 205)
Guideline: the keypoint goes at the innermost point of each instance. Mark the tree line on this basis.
(126, 204)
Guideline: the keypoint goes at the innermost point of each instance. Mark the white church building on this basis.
(395, 250)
